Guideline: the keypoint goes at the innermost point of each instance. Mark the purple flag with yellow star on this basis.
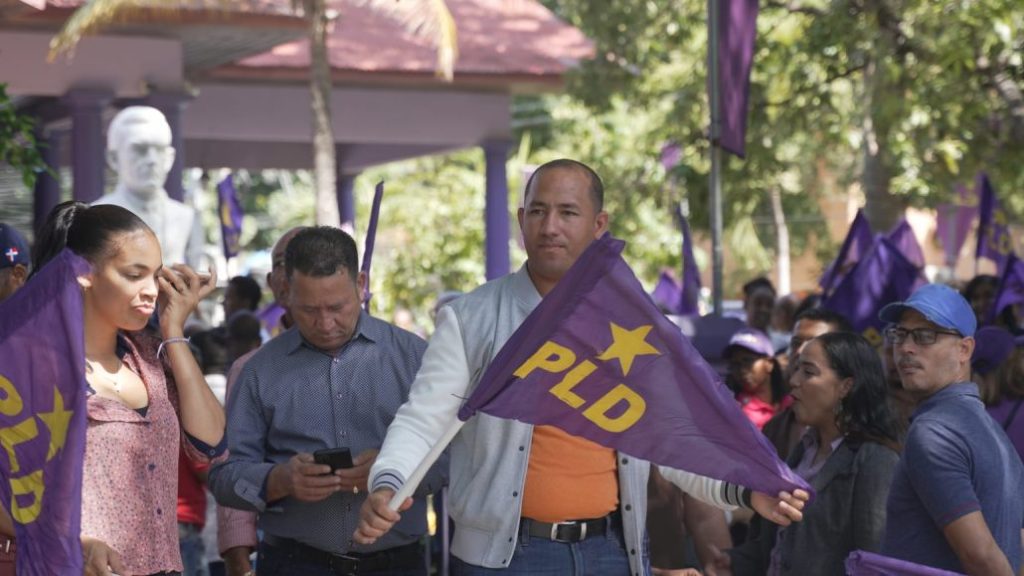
(598, 359)
(42, 416)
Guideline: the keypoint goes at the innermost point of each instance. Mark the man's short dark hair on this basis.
(837, 321)
(248, 290)
(756, 284)
(321, 251)
(596, 186)
(244, 327)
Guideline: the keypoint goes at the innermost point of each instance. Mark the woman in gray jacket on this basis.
(847, 454)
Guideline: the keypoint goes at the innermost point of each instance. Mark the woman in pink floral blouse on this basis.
(146, 393)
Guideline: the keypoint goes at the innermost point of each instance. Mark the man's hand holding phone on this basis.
(354, 479)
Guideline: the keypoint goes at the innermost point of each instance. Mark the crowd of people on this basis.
(913, 448)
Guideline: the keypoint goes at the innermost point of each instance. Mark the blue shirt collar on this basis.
(367, 328)
(969, 389)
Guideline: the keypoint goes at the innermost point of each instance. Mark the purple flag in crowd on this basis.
(858, 240)
(953, 224)
(230, 217)
(691, 275)
(671, 155)
(597, 359)
(861, 563)
(902, 237)
(371, 238)
(882, 276)
(1011, 287)
(42, 416)
(667, 294)
(994, 240)
(737, 32)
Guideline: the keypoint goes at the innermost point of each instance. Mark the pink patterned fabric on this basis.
(130, 482)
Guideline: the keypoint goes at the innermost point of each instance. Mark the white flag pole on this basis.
(417, 476)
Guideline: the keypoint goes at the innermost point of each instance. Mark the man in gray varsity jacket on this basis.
(530, 499)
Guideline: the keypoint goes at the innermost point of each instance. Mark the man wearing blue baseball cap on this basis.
(14, 260)
(956, 500)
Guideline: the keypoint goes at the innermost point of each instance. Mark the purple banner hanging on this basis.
(230, 217)
(737, 34)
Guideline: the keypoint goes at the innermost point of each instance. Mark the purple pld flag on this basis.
(858, 240)
(861, 563)
(230, 217)
(597, 359)
(882, 276)
(42, 416)
(953, 224)
(667, 293)
(691, 275)
(902, 237)
(737, 32)
(371, 238)
(994, 240)
(1011, 287)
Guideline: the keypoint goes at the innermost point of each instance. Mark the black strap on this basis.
(1013, 413)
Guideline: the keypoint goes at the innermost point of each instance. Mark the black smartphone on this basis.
(336, 458)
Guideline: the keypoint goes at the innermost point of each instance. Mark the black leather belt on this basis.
(573, 531)
(408, 557)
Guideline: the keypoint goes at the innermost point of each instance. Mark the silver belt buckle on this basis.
(557, 525)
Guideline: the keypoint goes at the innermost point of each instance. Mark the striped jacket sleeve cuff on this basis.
(736, 495)
(387, 479)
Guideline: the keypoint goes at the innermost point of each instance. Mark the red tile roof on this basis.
(496, 37)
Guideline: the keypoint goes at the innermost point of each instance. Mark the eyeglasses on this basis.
(921, 336)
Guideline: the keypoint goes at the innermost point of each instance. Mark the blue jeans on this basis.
(596, 556)
(193, 552)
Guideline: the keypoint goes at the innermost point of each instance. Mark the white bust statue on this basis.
(139, 150)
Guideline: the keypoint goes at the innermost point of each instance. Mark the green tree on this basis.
(18, 141)
(902, 99)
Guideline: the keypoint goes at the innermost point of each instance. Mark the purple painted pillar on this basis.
(347, 200)
(47, 189)
(496, 208)
(88, 149)
(172, 104)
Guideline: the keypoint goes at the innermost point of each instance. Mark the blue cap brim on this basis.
(894, 311)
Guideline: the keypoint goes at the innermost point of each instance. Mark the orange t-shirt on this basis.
(568, 478)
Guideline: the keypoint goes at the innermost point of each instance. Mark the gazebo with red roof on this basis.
(234, 86)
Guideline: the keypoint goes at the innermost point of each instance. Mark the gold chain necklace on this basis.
(114, 379)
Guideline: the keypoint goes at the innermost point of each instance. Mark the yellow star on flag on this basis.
(627, 345)
(57, 421)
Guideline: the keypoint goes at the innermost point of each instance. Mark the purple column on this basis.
(47, 188)
(347, 200)
(172, 104)
(88, 144)
(496, 208)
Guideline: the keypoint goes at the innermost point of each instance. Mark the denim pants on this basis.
(596, 556)
(193, 552)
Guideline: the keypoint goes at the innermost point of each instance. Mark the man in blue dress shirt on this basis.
(334, 380)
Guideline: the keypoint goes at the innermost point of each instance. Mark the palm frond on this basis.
(429, 19)
(98, 14)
